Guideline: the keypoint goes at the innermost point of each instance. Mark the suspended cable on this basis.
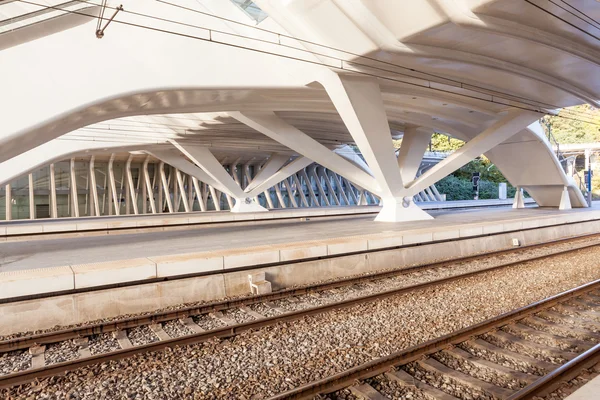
(580, 12)
(494, 99)
(562, 19)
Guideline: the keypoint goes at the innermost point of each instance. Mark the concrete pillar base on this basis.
(247, 205)
(519, 202)
(565, 200)
(399, 210)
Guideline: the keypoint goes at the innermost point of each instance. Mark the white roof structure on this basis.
(247, 80)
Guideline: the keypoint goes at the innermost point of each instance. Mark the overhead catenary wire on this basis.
(562, 19)
(596, 23)
(540, 108)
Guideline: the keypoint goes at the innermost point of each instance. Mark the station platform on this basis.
(17, 228)
(82, 278)
(589, 391)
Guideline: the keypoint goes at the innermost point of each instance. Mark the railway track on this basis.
(31, 357)
(523, 354)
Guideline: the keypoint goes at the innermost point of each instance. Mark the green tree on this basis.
(570, 125)
(441, 142)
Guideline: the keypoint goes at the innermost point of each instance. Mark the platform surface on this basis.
(16, 228)
(589, 391)
(15, 256)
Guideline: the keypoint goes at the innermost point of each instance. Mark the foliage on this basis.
(441, 142)
(455, 188)
(567, 127)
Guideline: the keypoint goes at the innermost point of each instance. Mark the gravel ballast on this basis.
(280, 357)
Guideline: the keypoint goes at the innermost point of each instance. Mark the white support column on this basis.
(173, 181)
(132, 195)
(144, 194)
(203, 158)
(277, 129)
(74, 199)
(518, 202)
(216, 200)
(269, 169)
(311, 192)
(31, 198)
(323, 174)
(436, 193)
(313, 173)
(165, 186)
(199, 194)
(262, 181)
(429, 193)
(291, 195)
(300, 190)
(190, 191)
(340, 189)
(121, 192)
(247, 179)
(148, 189)
(105, 192)
(280, 196)
(182, 194)
(86, 210)
(8, 201)
(227, 196)
(94, 206)
(205, 193)
(565, 200)
(414, 145)
(113, 187)
(362, 198)
(359, 103)
(159, 204)
(350, 190)
(53, 205)
(508, 126)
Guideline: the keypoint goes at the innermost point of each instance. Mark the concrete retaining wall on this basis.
(81, 307)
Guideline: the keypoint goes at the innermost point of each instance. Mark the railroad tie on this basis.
(38, 359)
(590, 298)
(593, 297)
(83, 344)
(276, 308)
(159, 332)
(403, 378)
(526, 330)
(122, 339)
(251, 312)
(571, 310)
(505, 337)
(189, 323)
(570, 330)
(483, 346)
(223, 318)
(583, 303)
(433, 366)
(549, 315)
(485, 364)
(366, 391)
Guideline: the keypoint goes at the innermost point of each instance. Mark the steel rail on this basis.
(229, 331)
(550, 382)
(384, 364)
(24, 342)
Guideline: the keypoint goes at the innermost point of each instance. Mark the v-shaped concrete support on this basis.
(277, 129)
